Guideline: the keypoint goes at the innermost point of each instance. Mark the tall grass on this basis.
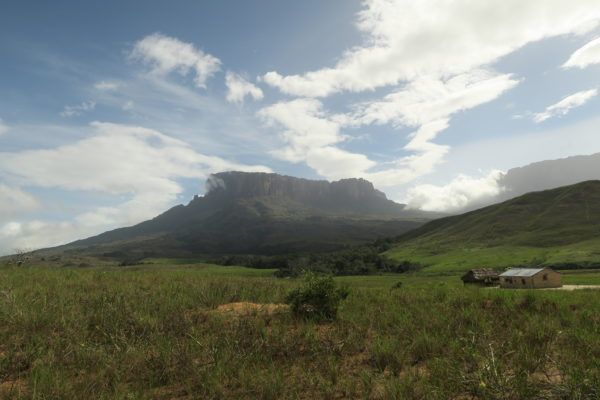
(153, 333)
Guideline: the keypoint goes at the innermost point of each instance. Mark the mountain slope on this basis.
(542, 175)
(554, 226)
(258, 213)
(548, 174)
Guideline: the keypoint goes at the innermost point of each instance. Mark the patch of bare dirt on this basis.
(551, 376)
(171, 393)
(246, 308)
(13, 387)
(419, 369)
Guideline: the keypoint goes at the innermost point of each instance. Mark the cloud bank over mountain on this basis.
(467, 193)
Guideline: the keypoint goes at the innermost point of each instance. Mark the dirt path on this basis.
(575, 287)
(563, 287)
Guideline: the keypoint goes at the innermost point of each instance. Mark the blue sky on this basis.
(113, 112)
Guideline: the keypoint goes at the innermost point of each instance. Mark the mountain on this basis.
(550, 174)
(543, 175)
(557, 226)
(260, 213)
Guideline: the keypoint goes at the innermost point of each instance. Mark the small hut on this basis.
(530, 278)
(481, 276)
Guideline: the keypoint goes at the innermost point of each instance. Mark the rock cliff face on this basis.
(251, 184)
(346, 195)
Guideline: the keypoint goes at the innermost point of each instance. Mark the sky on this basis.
(112, 112)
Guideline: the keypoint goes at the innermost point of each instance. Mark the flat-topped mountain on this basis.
(259, 213)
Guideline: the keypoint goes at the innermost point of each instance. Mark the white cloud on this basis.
(427, 156)
(334, 163)
(461, 192)
(3, 127)
(138, 164)
(310, 134)
(171, 106)
(426, 103)
(585, 56)
(565, 105)
(106, 85)
(238, 88)
(407, 39)
(14, 201)
(31, 235)
(306, 126)
(428, 99)
(71, 111)
(166, 54)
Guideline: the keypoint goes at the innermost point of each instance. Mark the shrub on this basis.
(318, 298)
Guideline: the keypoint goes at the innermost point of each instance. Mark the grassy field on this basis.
(154, 332)
(456, 258)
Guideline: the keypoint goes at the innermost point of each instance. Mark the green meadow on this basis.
(456, 258)
(156, 332)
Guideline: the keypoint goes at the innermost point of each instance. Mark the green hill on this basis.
(553, 227)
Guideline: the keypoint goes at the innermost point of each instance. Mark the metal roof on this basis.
(481, 273)
(522, 272)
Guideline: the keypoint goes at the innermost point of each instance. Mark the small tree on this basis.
(20, 256)
(318, 298)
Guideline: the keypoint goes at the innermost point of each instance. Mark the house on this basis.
(530, 278)
(481, 276)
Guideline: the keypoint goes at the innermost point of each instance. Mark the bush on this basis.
(318, 298)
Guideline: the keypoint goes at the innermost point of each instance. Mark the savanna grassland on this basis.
(157, 332)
